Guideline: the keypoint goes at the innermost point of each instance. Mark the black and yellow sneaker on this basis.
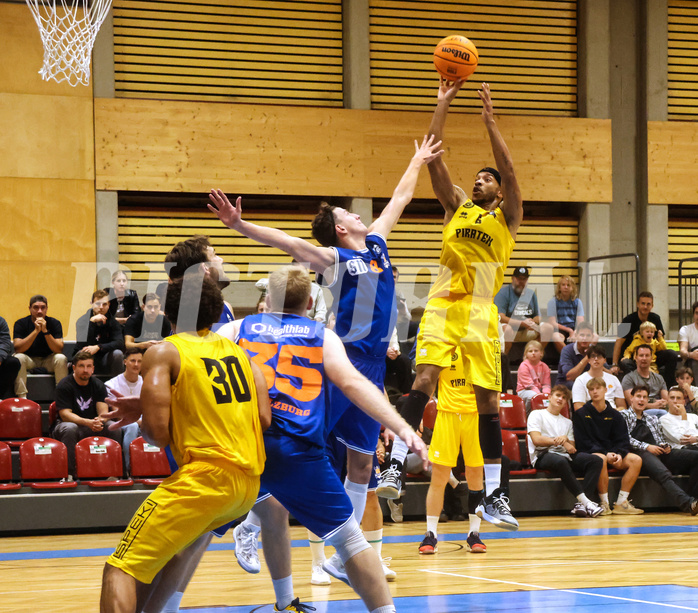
(297, 606)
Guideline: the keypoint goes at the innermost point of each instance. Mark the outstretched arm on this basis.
(404, 191)
(303, 251)
(440, 178)
(364, 394)
(512, 206)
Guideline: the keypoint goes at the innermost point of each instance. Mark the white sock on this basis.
(583, 499)
(375, 540)
(252, 522)
(432, 524)
(283, 590)
(493, 477)
(622, 497)
(317, 548)
(399, 452)
(604, 497)
(452, 481)
(357, 495)
(173, 602)
(474, 523)
(389, 608)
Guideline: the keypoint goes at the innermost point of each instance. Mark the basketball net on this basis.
(68, 30)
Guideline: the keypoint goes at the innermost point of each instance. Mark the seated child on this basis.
(645, 336)
(684, 380)
(533, 377)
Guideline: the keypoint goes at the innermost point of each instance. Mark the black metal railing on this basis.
(610, 294)
(688, 289)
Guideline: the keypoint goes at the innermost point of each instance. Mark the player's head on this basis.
(289, 290)
(193, 303)
(195, 253)
(487, 191)
(333, 223)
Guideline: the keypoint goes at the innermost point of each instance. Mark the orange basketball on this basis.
(455, 58)
(429, 417)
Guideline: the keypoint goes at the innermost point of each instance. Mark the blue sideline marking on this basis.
(490, 536)
(653, 599)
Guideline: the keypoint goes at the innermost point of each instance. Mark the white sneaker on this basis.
(390, 574)
(593, 509)
(319, 576)
(335, 568)
(395, 510)
(246, 549)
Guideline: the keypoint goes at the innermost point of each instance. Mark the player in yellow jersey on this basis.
(479, 234)
(203, 397)
(456, 429)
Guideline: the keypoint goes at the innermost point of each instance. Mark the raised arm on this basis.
(364, 394)
(441, 181)
(512, 205)
(230, 214)
(404, 191)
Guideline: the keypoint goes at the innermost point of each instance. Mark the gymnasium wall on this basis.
(46, 178)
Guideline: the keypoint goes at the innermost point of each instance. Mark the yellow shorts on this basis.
(199, 497)
(448, 324)
(453, 432)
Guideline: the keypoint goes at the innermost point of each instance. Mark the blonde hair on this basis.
(532, 345)
(573, 284)
(289, 289)
(647, 325)
(595, 382)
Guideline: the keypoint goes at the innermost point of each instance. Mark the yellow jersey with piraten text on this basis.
(475, 252)
(214, 414)
(455, 392)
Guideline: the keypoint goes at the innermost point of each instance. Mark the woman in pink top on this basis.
(533, 377)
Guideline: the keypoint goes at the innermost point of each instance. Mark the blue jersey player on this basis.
(354, 264)
(298, 357)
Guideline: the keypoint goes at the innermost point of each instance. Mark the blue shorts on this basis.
(350, 424)
(302, 479)
(337, 455)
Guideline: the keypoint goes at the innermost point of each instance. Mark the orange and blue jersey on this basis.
(363, 291)
(288, 350)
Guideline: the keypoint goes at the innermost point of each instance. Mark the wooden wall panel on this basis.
(683, 237)
(682, 56)
(672, 149)
(528, 53)
(184, 146)
(230, 50)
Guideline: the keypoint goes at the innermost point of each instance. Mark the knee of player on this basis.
(349, 540)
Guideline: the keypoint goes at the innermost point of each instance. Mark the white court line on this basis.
(554, 589)
(579, 563)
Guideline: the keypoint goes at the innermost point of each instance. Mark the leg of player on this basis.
(359, 467)
(412, 410)
(495, 507)
(476, 493)
(317, 552)
(372, 525)
(435, 501)
(118, 591)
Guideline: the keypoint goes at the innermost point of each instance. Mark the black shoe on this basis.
(428, 545)
(443, 518)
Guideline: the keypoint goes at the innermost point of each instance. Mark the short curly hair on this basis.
(324, 231)
(185, 298)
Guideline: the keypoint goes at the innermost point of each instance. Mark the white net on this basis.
(68, 30)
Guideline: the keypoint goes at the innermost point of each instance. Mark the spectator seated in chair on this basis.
(565, 311)
(123, 302)
(80, 403)
(9, 365)
(101, 336)
(533, 376)
(573, 358)
(684, 380)
(642, 375)
(551, 447)
(147, 327)
(659, 461)
(596, 358)
(645, 336)
(129, 383)
(679, 427)
(38, 343)
(601, 430)
(688, 342)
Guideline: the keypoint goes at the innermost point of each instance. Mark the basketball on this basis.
(429, 417)
(455, 57)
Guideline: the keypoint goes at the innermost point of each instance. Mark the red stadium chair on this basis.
(52, 415)
(20, 419)
(512, 413)
(6, 469)
(44, 464)
(512, 450)
(149, 464)
(541, 402)
(98, 463)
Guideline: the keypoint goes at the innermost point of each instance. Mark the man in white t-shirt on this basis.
(614, 390)
(688, 342)
(679, 427)
(129, 383)
(551, 447)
